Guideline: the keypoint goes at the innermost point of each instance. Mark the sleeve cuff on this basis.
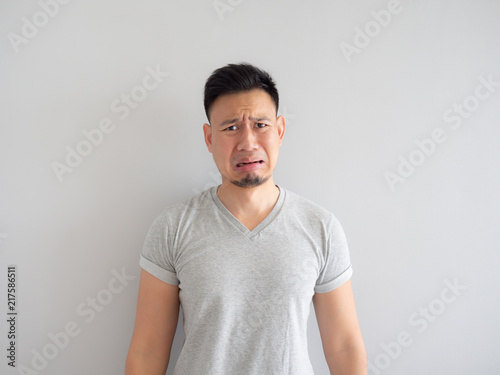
(335, 283)
(158, 272)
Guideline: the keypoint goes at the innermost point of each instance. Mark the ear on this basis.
(280, 122)
(207, 131)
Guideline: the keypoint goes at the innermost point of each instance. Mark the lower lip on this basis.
(249, 167)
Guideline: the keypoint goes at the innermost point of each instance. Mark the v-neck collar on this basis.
(264, 223)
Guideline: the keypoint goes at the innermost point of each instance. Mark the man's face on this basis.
(244, 137)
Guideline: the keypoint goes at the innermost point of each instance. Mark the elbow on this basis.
(349, 359)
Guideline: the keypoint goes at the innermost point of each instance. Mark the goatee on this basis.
(248, 181)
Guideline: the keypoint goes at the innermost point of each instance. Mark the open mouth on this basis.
(251, 162)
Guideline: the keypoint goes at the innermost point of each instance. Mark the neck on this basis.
(249, 202)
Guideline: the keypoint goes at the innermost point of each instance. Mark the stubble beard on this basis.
(250, 181)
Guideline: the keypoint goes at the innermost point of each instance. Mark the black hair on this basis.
(234, 78)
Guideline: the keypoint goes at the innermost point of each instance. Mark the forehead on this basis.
(256, 102)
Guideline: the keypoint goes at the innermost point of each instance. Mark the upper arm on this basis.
(337, 318)
(156, 319)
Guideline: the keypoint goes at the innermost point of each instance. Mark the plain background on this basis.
(348, 124)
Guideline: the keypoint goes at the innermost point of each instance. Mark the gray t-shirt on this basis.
(246, 295)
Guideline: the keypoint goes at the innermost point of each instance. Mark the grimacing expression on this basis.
(244, 137)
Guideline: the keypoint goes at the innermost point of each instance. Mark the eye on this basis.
(261, 125)
(232, 127)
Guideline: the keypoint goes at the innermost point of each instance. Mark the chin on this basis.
(250, 181)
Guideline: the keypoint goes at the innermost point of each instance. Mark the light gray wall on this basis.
(424, 239)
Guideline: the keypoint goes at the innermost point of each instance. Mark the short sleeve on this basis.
(337, 267)
(156, 253)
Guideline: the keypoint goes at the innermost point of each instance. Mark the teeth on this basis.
(252, 162)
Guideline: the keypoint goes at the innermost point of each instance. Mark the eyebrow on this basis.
(233, 120)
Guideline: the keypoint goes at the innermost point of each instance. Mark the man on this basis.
(245, 259)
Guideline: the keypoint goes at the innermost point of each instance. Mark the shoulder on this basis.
(305, 215)
(312, 220)
(196, 202)
(186, 209)
(307, 208)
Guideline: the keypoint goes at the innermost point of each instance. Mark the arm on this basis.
(340, 333)
(155, 325)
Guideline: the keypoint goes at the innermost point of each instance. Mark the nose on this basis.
(248, 139)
